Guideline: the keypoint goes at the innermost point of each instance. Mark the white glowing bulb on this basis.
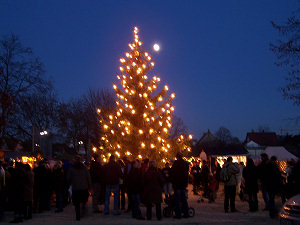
(156, 47)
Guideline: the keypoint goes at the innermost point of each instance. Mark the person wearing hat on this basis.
(179, 177)
(80, 180)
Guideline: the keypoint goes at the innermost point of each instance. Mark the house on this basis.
(256, 142)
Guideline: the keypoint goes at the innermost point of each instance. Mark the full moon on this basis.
(156, 47)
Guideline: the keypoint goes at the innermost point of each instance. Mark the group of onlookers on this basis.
(26, 190)
(143, 183)
(247, 181)
(272, 182)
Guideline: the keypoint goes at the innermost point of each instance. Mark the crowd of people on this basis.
(27, 190)
(246, 181)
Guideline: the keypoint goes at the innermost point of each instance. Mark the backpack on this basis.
(224, 175)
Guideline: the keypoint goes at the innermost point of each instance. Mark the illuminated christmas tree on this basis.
(140, 125)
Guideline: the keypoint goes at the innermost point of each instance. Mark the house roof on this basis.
(207, 137)
(228, 150)
(263, 138)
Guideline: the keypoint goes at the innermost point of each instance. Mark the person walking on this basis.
(113, 174)
(97, 178)
(230, 185)
(153, 186)
(134, 188)
(250, 174)
(80, 180)
(179, 177)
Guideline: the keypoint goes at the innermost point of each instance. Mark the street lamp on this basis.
(42, 133)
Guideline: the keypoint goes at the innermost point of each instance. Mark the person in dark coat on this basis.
(28, 192)
(179, 177)
(134, 188)
(153, 186)
(59, 185)
(250, 174)
(43, 185)
(80, 180)
(167, 179)
(126, 173)
(294, 179)
(122, 185)
(196, 172)
(2, 189)
(18, 177)
(113, 174)
(97, 177)
(273, 183)
(263, 176)
(204, 177)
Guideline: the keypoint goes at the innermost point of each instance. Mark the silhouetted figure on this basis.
(167, 179)
(196, 173)
(250, 174)
(113, 174)
(153, 186)
(80, 180)
(179, 177)
(18, 177)
(97, 177)
(134, 188)
(2, 189)
(122, 185)
(59, 185)
(294, 179)
(262, 175)
(273, 183)
(28, 192)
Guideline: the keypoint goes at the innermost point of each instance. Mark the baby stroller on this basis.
(168, 211)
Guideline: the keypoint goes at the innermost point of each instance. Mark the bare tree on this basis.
(94, 100)
(36, 110)
(224, 135)
(20, 73)
(287, 50)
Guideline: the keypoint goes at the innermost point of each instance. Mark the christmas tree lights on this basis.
(140, 126)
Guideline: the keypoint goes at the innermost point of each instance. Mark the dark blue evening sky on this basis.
(214, 54)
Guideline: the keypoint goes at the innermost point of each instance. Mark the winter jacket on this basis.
(113, 173)
(180, 174)
(97, 173)
(58, 179)
(273, 179)
(28, 189)
(134, 181)
(79, 177)
(153, 183)
(250, 174)
(233, 170)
